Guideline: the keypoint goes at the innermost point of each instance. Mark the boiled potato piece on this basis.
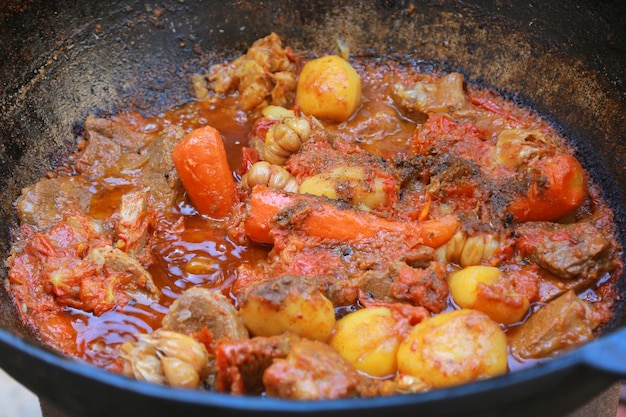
(329, 88)
(347, 183)
(476, 287)
(320, 185)
(288, 303)
(454, 348)
(367, 339)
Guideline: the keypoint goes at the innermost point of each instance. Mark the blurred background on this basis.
(15, 400)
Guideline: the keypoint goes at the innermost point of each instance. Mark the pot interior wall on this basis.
(67, 59)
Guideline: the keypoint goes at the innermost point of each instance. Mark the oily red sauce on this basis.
(196, 253)
(192, 250)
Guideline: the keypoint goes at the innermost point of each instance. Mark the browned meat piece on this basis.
(110, 145)
(567, 251)
(378, 284)
(158, 175)
(240, 364)
(43, 204)
(420, 256)
(564, 323)
(420, 287)
(200, 307)
(266, 74)
(114, 149)
(312, 371)
(118, 133)
(451, 176)
(124, 273)
(551, 287)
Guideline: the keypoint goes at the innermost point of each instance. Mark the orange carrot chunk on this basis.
(562, 188)
(325, 219)
(200, 159)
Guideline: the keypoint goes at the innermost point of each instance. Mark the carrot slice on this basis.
(200, 159)
(322, 218)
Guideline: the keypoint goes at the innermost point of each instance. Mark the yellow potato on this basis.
(288, 303)
(463, 283)
(347, 183)
(454, 348)
(319, 185)
(368, 340)
(473, 287)
(329, 88)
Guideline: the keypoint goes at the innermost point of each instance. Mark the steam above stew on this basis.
(317, 228)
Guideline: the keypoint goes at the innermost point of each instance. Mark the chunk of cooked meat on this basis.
(376, 284)
(200, 307)
(312, 371)
(421, 287)
(564, 323)
(566, 250)
(114, 149)
(44, 203)
(132, 226)
(447, 176)
(401, 282)
(240, 364)
(158, 174)
(432, 94)
(266, 74)
(110, 146)
(124, 272)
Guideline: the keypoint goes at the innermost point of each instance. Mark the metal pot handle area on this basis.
(607, 354)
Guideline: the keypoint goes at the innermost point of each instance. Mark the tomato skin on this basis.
(558, 188)
(249, 157)
(200, 159)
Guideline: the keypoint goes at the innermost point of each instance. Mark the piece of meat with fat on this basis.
(564, 323)
(159, 175)
(565, 250)
(200, 307)
(432, 94)
(110, 145)
(43, 204)
(312, 371)
(112, 261)
(379, 284)
(133, 225)
(421, 287)
(115, 149)
(241, 364)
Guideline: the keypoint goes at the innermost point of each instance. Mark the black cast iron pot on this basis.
(63, 60)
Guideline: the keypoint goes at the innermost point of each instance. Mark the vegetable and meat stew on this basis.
(317, 227)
